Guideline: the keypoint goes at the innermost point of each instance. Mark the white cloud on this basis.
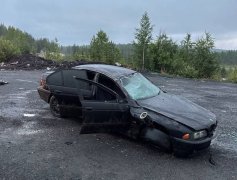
(76, 21)
(228, 44)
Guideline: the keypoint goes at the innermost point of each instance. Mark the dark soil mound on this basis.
(28, 62)
(31, 62)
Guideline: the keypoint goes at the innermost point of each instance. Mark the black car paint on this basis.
(180, 110)
(103, 116)
(169, 116)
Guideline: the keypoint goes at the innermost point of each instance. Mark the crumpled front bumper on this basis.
(189, 146)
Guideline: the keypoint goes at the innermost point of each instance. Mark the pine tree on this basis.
(143, 36)
(101, 49)
(205, 61)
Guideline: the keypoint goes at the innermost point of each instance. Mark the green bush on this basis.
(189, 71)
(232, 75)
(223, 72)
(7, 50)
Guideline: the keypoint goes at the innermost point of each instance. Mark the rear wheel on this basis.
(55, 107)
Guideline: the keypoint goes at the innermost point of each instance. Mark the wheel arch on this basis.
(51, 94)
(157, 135)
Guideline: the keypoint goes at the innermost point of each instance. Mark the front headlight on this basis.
(200, 134)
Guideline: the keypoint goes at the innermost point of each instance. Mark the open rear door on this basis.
(103, 111)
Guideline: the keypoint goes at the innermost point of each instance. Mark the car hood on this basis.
(179, 109)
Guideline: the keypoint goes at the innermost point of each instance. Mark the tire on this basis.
(55, 107)
(157, 138)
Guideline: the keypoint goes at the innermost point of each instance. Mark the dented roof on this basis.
(113, 71)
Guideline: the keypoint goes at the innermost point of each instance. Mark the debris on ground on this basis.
(32, 62)
(3, 82)
(68, 143)
(29, 115)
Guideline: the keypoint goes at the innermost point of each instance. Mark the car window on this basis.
(109, 83)
(103, 95)
(68, 78)
(55, 79)
(97, 93)
(90, 75)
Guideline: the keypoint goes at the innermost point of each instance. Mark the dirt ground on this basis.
(36, 145)
(29, 62)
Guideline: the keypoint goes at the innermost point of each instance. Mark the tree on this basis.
(205, 61)
(227, 57)
(24, 41)
(80, 52)
(163, 52)
(232, 75)
(3, 30)
(53, 51)
(98, 46)
(187, 48)
(101, 49)
(7, 50)
(42, 45)
(186, 56)
(112, 53)
(143, 36)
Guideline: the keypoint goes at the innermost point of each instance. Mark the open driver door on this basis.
(104, 111)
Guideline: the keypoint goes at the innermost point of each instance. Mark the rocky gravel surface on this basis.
(36, 145)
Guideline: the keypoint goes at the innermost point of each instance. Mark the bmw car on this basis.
(115, 99)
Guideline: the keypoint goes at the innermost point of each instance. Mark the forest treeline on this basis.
(13, 42)
(187, 58)
(227, 57)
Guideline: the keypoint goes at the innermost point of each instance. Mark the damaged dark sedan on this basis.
(116, 99)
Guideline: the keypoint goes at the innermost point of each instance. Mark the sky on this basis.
(76, 21)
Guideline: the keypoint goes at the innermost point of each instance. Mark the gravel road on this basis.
(36, 145)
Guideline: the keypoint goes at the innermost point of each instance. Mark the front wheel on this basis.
(157, 138)
(55, 107)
